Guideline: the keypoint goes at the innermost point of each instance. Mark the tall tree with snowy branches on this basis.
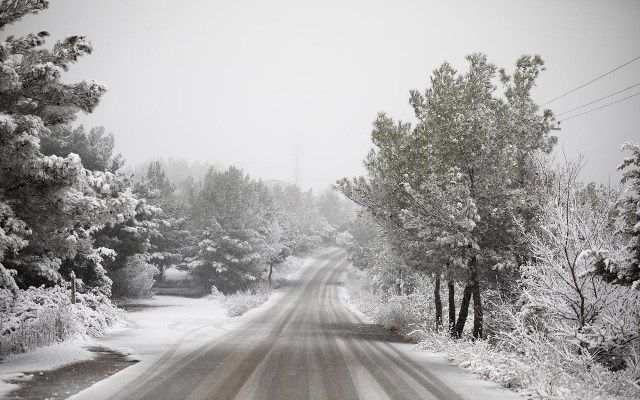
(229, 218)
(462, 178)
(51, 204)
(625, 269)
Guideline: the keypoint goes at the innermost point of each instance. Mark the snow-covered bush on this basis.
(538, 368)
(242, 301)
(344, 239)
(398, 312)
(562, 296)
(135, 279)
(41, 316)
(516, 355)
(282, 271)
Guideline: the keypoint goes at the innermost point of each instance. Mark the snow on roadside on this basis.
(239, 303)
(163, 327)
(462, 382)
(149, 332)
(168, 330)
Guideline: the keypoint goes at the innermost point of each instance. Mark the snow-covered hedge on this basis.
(41, 316)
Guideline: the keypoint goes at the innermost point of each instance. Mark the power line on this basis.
(601, 107)
(601, 98)
(591, 81)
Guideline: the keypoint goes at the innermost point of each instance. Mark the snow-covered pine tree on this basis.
(493, 144)
(95, 147)
(337, 210)
(462, 177)
(274, 249)
(130, 238)
(625, 269)
(394, 167)
(13, 233)
(60, 202)
(168, 241)
(629, 271)
(229, 220)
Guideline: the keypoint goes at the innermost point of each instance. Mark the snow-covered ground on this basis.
(167, 329)
(170, 332)
(157, 329)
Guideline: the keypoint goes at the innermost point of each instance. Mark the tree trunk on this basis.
(464, 310)
(477, 310)
(438, 303)
(452, 309)
(270, 273)
(399, 283)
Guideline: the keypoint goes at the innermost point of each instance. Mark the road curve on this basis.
(308, 345)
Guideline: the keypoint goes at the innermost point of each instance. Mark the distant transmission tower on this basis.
(297, 167)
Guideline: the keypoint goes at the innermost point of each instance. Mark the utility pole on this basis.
(297, 167)
(297, 170)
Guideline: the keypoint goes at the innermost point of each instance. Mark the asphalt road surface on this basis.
(308, 345)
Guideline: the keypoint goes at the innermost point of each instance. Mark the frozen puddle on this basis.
(70, 379)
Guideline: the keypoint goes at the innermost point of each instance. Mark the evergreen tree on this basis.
(337, 210)
(305, 228)
(95, 147)
(168, 241)
(456, 189)
(229, 217)
(625, 269)
(59, 201)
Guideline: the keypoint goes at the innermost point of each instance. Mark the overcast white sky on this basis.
(242, 81)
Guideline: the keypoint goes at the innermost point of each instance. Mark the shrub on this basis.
(135, 279)
(537, 367)
(41, 316)
(282, 271)
(242, 301)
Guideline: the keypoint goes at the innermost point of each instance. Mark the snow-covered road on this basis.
(305, 343)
